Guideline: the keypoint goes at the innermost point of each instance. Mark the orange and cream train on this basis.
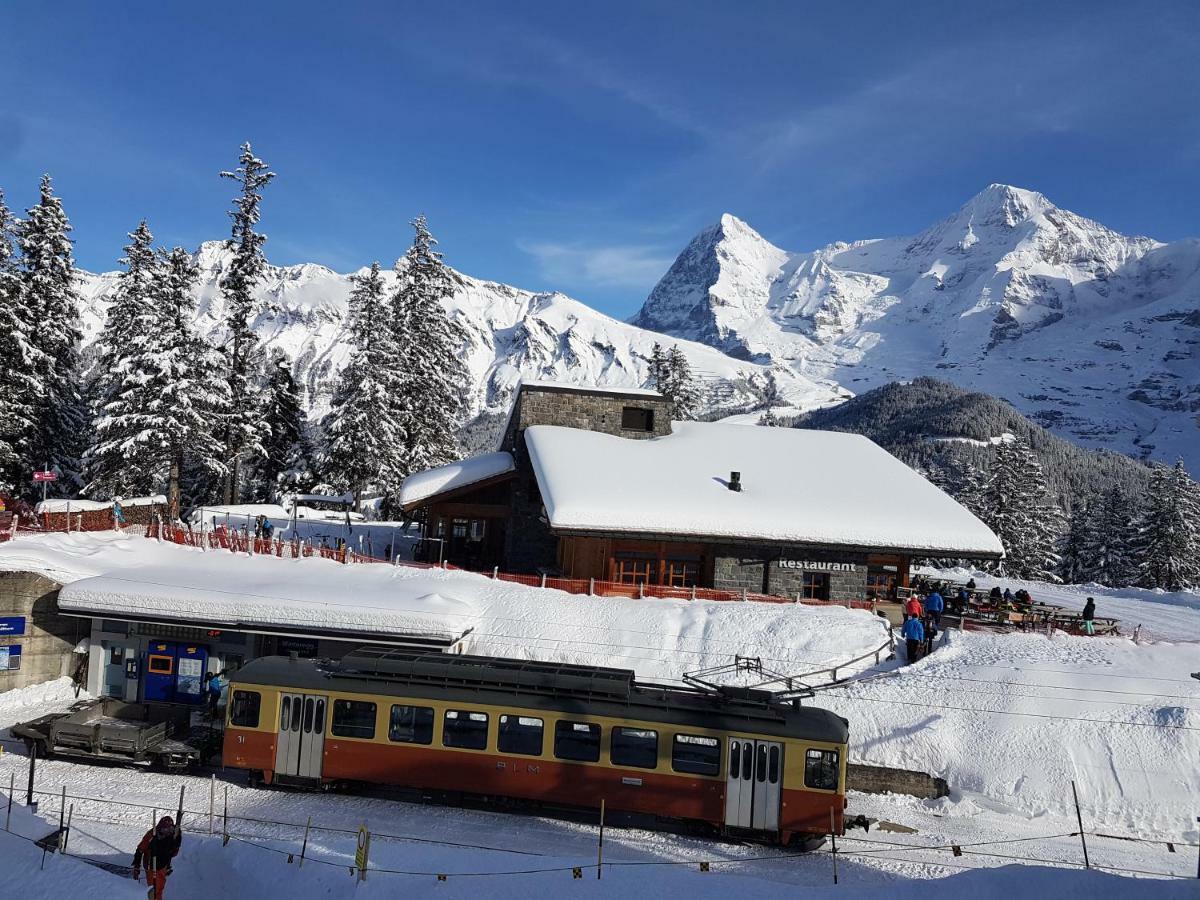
(739, 761)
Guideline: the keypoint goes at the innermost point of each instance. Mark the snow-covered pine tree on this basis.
(1018, 507)
(286, 465)
(671, 376)
(433, 383)
(1169, 539)
(20, 358)
(108, 469)
(658, 367)
(1111, 558)
(365, 441)
(52, 304)
(187, 392)
(242, 436)
(772, 398)
(685, 393)
(1076, 563)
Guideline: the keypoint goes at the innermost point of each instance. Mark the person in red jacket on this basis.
(158, 847)
(913, 606)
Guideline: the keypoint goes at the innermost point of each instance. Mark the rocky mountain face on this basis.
(509, 334)
(1090, 333)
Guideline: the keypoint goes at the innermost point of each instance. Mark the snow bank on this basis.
(455, 475)
(1016, 718)
(798, 485)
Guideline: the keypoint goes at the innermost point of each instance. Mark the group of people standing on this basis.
(922, 621)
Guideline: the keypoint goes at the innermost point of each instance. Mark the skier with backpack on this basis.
(913, 633)
(157, 848)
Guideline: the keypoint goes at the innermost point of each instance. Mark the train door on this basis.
(301, 740)
(753, 787)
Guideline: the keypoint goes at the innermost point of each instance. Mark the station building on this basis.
(601, 484)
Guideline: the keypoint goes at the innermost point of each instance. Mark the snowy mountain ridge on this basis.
(1089, 332)
(510, 334)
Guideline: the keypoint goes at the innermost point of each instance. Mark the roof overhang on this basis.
(410, 639)
(458, 492)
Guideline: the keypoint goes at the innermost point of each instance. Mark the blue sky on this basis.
(579, 146)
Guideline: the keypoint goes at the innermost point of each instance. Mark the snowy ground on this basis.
(1009, 721)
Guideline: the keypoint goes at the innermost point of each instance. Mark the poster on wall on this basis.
(11, 626)
(191, 672)
(10, 657)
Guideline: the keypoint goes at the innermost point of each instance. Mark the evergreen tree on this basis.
(671, 376)
(772, 398)
(108, 468)
(20, 358)
(365, 442)
(1111, 556)
(242, 436)
(287, 459)
(52, 305)
(1018, 507)
(1076, 561)
(1170, 543)
(433, 380)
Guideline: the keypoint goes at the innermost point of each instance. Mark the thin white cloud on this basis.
(613, 266)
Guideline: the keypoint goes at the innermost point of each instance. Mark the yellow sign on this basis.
(361, 851)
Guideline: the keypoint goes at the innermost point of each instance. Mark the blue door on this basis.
(190, 664)
(158, 679)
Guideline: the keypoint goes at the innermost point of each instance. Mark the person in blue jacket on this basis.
(914, 633)
(934, 605)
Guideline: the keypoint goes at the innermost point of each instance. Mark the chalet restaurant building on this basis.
(600, 483)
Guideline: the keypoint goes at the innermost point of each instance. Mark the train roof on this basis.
(533, 684)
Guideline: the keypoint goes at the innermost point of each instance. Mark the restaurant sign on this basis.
(810, 565)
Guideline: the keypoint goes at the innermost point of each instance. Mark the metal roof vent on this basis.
(735, 481)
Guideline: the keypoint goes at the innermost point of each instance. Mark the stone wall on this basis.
(600, 411)
(759, 569)
(529, 544)
(881, 780)
(49, 641)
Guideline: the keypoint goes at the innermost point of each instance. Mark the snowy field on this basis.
(1009, 721)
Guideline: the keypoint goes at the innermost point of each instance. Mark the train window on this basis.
(747, 760)
(319, 722)
(577, 740)
(353, 718)
(467, 730)
(762, 763)
(634, 747)
(297, 709)
(285, 713)
(773, 766)
(821, 769)
(735, 756)
(308, 715)
(411, 725)
(697, 755)
(243, 711)
(520, 734)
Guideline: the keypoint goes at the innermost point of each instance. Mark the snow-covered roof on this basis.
(78, 505)
(260, 593)
(798, 486)
(422, 485)
(593, 389)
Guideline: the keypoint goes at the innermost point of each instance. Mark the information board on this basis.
(12, 626)
(10, 657)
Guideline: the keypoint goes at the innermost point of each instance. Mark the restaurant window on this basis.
(696, 755)
(577, 740)
(460, 528)
(520, 734)
(637, 418)
(411, 725)
(478, 529)
(634, 568)
(353, 718)
(814, 585)
(683, 572)
(881, 582)
(467, 730)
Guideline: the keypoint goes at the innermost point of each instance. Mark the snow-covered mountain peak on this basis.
(1009, 294)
